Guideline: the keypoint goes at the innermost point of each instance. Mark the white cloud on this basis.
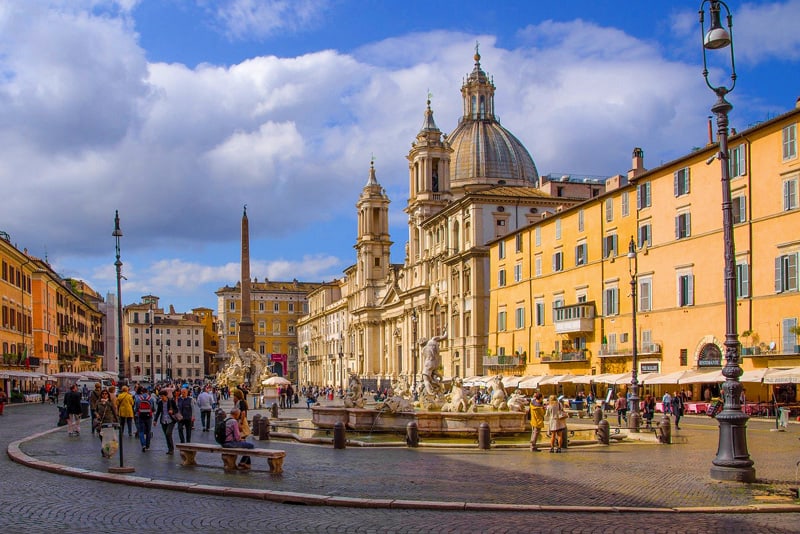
(256, 19)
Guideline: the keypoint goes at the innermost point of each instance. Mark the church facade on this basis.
(465, 189)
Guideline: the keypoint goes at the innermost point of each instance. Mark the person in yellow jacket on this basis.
(125, 409)
(537, 420)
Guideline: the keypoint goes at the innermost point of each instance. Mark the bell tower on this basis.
(429, 179)
(372, 244)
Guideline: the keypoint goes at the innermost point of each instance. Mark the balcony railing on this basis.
(555, 357)
(574, 318)
(504, 361)
(648, 348)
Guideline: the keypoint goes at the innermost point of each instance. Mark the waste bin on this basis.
(576, 404)
(84, 409)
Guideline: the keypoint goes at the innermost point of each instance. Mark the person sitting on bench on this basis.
(234, 440)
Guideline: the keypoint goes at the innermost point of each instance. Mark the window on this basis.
(625, 204)
(645, 294)
(736, 161)
(681, 182)
(232, 305)
(643, 195)
(742, 280)
(790, 194)
(519, 318)
(501, 249)
(645, 235)
(558, 228)
(609, 210)
(739, 209)
(537, 266)
(685, 290)
(261, 306)
(610, 246)
(789, 340)
(501, 321)
(790, 142)
(291, 307)
(558, 262)
(518, 272)
(580, 254)
(558, 302)
(276, 306)
(501, 278)
(683, 226)
(518, 242)
(786, 273)
(580, 220)
(538, 236)
(539, 313)
(611, 301)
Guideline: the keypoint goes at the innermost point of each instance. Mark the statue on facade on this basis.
(354, 398)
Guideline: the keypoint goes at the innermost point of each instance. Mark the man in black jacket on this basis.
(166, 414)
(72, 402)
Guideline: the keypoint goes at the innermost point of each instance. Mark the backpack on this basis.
(145, 407)
(220, 431)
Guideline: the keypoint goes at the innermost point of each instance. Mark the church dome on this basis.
(484, 151)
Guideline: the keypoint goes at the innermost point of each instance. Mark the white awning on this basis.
(530, 382)
(787, 376)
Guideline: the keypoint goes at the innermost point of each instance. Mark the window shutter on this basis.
(688, 224)
(690, 290)
(779, 274)
(678, 227)
(688, 180)
(675, 181)
(792, 272)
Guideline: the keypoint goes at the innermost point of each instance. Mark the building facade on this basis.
(568, 306)
(465, 189)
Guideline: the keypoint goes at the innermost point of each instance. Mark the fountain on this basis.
(436, 413)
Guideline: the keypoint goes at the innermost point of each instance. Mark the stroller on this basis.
(62, 416)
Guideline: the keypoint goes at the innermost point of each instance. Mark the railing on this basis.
(509, 361)
(579, 356)
(648, 347)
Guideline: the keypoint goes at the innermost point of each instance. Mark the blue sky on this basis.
(179, 112)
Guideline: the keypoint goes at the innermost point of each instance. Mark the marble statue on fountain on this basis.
(431, 391)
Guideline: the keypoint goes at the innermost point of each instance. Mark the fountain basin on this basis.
(428, 423)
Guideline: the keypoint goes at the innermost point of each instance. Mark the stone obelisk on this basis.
(247, 338)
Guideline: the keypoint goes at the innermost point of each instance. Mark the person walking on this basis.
(677, 409)
(234, 438)
(537, 420)
(556, 418)
(185, 416)
(143, 410)
(125, 409)
(94, 398)
(3, 400)
(106, 417)
(165, 415)
(649, 410)
(289, 396)
(72, 403)
(621, 405)
(205, 400)
(666, 402)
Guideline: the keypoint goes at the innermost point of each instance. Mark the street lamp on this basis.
(117, 234)
(634, 418)
(732, 461)
(414, 346)
(152, 359)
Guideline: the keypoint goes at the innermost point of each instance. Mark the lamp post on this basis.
(152, 358)
(414, 347)
(117, 234)
(732, 461)
(161, 357)
(634, 417)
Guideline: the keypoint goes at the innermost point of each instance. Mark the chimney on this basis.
(637, 163)
(710, 132)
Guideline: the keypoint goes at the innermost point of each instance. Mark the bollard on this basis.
(263, 428)
(254, 426)
(274, 410)
(484, 436)
(598, 414)
(564, 437)
(602, 432)
(412, 434)
(664, 431)
(339, 435)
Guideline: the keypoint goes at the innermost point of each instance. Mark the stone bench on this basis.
(189, 451)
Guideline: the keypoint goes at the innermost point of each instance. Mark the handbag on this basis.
(177, 416)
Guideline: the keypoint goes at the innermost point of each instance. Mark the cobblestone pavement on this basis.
(604, 484)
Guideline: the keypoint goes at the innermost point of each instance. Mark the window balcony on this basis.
(504, 361)
(574, 318)
(648, 348)
(559, 357)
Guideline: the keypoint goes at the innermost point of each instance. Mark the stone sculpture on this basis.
(517, 402)
(354, 398)
(431, 394)
(457, 400)
(499, 398)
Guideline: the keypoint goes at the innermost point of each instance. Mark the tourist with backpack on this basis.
(143, 409)
(166, 414)
(229, 437)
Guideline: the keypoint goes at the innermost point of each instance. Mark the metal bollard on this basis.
(263, 428)
(412, 434)
(339, 435)
(274, 410)
(664, 432)
(602, 432)
(484, 436)
(256, 419)
(598, 414)
(564, 437)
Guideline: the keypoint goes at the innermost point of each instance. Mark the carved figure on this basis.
(401, 388)
(396, 403)
(457, 400)
(517, 402)
(431, 377)
(499, 397)
(354, 398)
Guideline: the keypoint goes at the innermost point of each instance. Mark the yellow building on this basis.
(323, 338)
(16, 328)
(574, 285)
(275, 308)
(210, 339)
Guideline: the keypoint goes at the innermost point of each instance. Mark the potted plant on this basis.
(749, 348)
(796, 331)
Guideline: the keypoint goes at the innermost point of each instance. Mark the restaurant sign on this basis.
(710, 356)
(649, 368)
